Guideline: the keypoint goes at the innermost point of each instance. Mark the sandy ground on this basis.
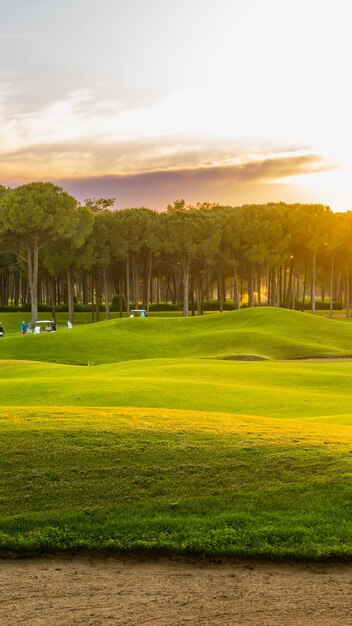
(82, 590)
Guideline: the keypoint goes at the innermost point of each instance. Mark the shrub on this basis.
(319, 305)
(165, 306)
(213, 305)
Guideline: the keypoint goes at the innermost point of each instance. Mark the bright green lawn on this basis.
(265, 333)
(272, 389)
(180, 451)
(12, 321)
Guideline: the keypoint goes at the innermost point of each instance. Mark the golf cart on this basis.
(138, 313)
(42, 326)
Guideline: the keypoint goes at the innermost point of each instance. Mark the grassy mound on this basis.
(264, 332)
(272, 389)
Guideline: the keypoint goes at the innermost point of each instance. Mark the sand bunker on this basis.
(94, 591)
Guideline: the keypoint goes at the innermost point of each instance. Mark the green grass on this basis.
(272, 389)
(12, 321)
(165, 447)
(168, 481)
(265, 333)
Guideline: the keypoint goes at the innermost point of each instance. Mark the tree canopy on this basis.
(54, 250)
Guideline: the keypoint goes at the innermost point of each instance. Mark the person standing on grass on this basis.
(2, 332)
(69, 324)
(24, 327)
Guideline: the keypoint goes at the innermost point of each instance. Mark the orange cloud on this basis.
(252, 181)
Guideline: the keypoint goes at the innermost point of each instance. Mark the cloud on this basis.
(235, 184)
(79, 136)
(143, 155)
(85, 158)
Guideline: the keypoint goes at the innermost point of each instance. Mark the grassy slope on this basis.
(266, 332)
(176, 481)
(232, 482)
(272, 389)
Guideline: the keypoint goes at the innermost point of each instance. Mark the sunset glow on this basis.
(240, 102)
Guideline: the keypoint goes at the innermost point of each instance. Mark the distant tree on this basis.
(99, 205)
(61, 259)
(31, 216)
(339, 245)
(100, 250)
(133, 241)
(316, 223)
(263, 241)
(190, 234)
(230, 245)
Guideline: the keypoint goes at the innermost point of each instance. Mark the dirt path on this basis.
(93, 591)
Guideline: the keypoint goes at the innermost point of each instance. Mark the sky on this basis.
(148, 101)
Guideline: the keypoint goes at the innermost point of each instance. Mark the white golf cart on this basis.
(138, 313)
(42, 326)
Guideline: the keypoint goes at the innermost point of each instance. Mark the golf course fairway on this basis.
(166, 443)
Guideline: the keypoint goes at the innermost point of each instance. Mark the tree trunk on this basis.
(284, 288)
(267, 282)
(70, 303)
(347, 292)
(207, 294)
(273, 287)
(220, 290)
(259, 298)
(53, 299)
(106, 295)
(148, 277)
(235, 287)
(121, 291)
(93, 308)
(313, 286)
(128, 307)
(185, 276)
(158, 292)
(331, 286)
(97, 295)
(199, 293)
(304, 286)
(174, 290)
(192, 297)
(185, 268)
(84, 288)
(294, 289)
(16, 292)
(250, 286)
(33, 262)
(134, 272)
(288, 295)
(338, 291)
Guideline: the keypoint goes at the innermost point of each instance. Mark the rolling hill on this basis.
(262, 333)
(176, 441)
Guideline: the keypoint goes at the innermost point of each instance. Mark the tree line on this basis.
(55, 250)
